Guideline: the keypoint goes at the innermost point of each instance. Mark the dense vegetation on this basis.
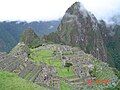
(7, 41)
(113, 47)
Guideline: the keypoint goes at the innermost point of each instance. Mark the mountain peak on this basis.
(80, 28)
(77, 4)
(30, 38)
(77, 8)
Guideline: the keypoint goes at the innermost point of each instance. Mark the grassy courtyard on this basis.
(46, 56)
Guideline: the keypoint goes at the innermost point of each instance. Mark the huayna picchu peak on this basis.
(80, 28)
(76, 8)
(81, 54)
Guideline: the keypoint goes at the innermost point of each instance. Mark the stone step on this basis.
(74, 76)
(72, 85)
(12, 66)
(74, 80)
(55, 83)
(36, 74)
(26, 70)
(6, 62)
(77, 83)
(33, 72)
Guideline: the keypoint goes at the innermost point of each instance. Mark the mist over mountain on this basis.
(115, 19)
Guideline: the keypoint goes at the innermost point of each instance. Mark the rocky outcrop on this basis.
(21, 51)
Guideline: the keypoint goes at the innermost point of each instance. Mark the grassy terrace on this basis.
(64, 86)
(63, 72)
(9, 81)
(46, 56)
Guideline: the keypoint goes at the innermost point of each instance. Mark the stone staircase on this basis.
(55, 82)
(75, 81)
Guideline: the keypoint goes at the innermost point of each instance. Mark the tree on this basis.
(68, 65)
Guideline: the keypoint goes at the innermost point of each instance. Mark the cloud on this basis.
(103, 9)
(31, 10)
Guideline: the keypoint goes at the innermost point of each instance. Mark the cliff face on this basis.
(80, 28)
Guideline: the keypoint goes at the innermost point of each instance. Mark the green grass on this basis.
(46, 56)
(41, 55)
(10, 81)
(63, 72)
(103, 73)
(28, 75)
(56, 63)
(64, 86)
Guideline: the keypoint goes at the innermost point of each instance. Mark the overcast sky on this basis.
(32, 10)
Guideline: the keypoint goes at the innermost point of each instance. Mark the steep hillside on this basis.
(113, 45)
(11, 31)
(79, 27)
(7, 41)
(10, 81)
(111, 37)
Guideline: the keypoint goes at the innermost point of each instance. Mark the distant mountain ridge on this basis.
(10, 31)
